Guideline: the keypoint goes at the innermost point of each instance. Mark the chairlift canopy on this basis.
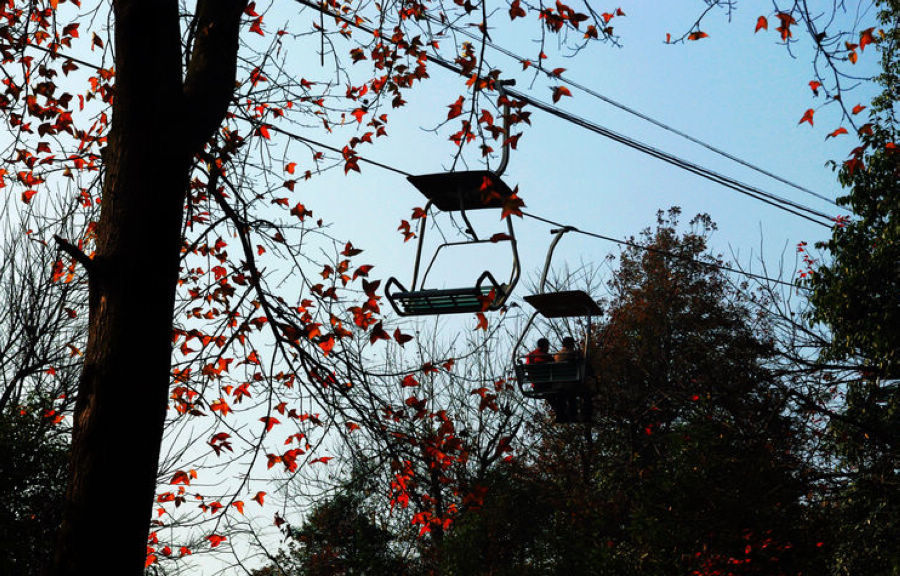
(564, 304)
(472, 190)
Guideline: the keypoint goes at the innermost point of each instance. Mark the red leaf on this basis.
(814, 86)
(322, 459)
(269, 422)
(215, 539)
(837, 132)
(239, 505)
(263, 131)
(858, 108)
(182, 477)
(290, 167)
(699, 34)
(761, 24)
(349, 250)
(515, 10)
(256, 27)
(455, 108)
(359, 114)
(785, 28)
(865, 38)
(28, 195)
(409, 381)
(259, 498)
(482, 321)
(559, 92)
(401, 338)
(807, 117)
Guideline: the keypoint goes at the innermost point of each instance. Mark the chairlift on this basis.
(459, 192)
(566, 385)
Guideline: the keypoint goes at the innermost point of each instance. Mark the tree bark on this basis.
(123, 390)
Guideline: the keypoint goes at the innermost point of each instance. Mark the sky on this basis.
(736, 90)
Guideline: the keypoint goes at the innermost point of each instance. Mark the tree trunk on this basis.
(122, 395)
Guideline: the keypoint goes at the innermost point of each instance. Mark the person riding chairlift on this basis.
(540, 354)
(567, 352)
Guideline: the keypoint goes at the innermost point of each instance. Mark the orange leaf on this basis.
(215, 539)
(858, 108)
(559, 92)
(359, 114)
(263, 131)
(852, 56)
(323, 460)
(181, 477)
(761, 24)
(259, 498)
(455, 108)
(290, 167)
(269, 422)
(482, 321)
(327, 345)
(28, 195)
(837, 132)
(807, 117)
(239, 505)
(814, 86)
(699, 34)
(865, 38)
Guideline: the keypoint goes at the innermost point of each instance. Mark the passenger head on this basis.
(568, 342)
(543, 345)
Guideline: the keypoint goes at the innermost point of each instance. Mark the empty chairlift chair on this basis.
(459, 192)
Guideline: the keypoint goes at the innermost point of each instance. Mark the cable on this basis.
(558, 224)
(665, 252)
(632, 111)
(768, 198)
(746, 189)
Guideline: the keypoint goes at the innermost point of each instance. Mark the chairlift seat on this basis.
(545, 379)
(447, 300)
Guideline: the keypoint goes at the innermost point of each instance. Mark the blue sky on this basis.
(737, 90)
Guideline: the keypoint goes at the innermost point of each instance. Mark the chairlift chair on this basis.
(459, 192)
(565, 385)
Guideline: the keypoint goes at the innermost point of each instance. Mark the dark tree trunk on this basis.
(122, 395)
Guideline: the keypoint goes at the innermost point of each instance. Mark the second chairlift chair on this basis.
(566, 385)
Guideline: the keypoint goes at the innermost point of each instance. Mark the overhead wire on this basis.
(774, 200)
(628, 109)
(571, 228)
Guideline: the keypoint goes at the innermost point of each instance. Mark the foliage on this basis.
(854, 293)
(339, 536)
(208, 99)
(33, 468)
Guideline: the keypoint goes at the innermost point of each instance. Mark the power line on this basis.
(766, 197)
(575, 229)
(625, 108)
(736, 185)
(664, 252)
